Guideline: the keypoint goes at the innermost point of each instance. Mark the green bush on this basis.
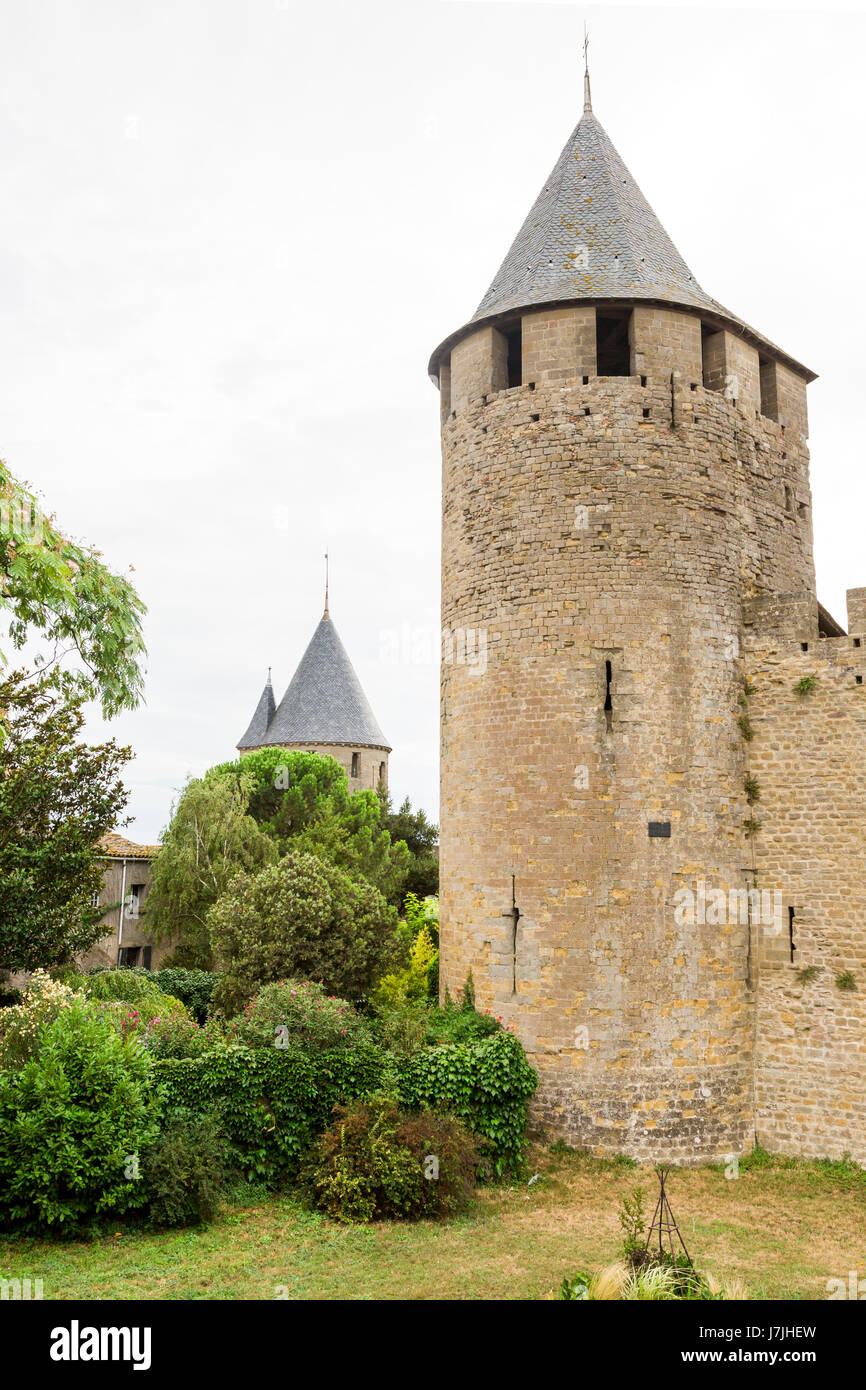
(273, 1102)
(377, 1162)
(298, 1016)
(192, 987)
(185, 1170)
(299, 917)
(178, 1036)
(72, 1122)
(485, 1083)
(138, 990)
(407, 1026)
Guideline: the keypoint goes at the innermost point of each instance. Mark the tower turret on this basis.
(624, 464)
(324, 710)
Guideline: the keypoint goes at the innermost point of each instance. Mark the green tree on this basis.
(58, 592)
(301, 917)
(58, 796)
(210, 838)
(302, 801)
(421, 838)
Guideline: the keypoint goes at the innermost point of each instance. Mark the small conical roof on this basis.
(258, 726)
(591, 235)
(324, 702)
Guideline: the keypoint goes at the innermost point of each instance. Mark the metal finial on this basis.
(326, 614)
(587, 99)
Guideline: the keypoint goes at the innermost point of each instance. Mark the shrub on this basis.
(185, 1170)
(376, 1161)
(21, 1025)
(412, 982)
(136, 989)
(72, 1121)
(299, 1016)
(273, 1102)
(192, 987)
(299, 917)
(486, 1084)
(178, 1036)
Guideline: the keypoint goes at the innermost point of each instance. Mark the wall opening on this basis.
(767, 383)
(791, 934)
(608, 696)
(612, 346)
(514, 338)
(356, 764)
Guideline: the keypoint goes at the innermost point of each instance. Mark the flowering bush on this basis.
(178, 1036)
(298, 1015)
(21, 1024)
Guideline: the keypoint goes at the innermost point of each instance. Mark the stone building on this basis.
(125, 885)
(324, 710)
(653, 812)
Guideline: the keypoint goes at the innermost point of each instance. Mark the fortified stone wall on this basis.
(809, 758)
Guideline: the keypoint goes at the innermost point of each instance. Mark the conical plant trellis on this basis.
(664, 1233)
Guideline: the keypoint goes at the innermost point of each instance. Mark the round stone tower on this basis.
(624, 463)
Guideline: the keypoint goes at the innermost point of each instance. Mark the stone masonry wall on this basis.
(809, 758)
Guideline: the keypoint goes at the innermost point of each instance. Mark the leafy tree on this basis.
(302, 917)
(248, 813)
(288, 791)
(54, 589)
(210, 838)
(421, 838)
(58, 797)
(302, 801)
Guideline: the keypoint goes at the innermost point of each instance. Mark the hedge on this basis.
(486, 1084)
(272, 1103)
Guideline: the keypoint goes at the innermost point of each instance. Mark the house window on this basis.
(135, 899)
(356, 764)
(94, 900)
(128, 955)
(381, 772)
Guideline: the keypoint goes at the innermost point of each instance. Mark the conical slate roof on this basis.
(591, 235)
(324, 702)
(257, 732)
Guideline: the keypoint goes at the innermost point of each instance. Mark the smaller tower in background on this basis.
(324, 710)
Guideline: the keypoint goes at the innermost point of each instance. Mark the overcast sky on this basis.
(233, 232)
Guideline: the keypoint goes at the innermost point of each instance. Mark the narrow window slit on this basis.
(608, 698)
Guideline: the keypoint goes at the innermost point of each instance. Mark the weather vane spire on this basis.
(587, 99)
(326, 614)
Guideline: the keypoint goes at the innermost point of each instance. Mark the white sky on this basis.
(233, 232)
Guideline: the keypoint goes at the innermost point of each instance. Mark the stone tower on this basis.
(324, 710)
(626, 521)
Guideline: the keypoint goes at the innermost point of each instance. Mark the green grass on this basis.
(783, 1228)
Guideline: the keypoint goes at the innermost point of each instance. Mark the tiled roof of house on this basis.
(118, 847)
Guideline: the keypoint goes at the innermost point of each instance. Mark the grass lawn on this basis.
(783, 1228)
